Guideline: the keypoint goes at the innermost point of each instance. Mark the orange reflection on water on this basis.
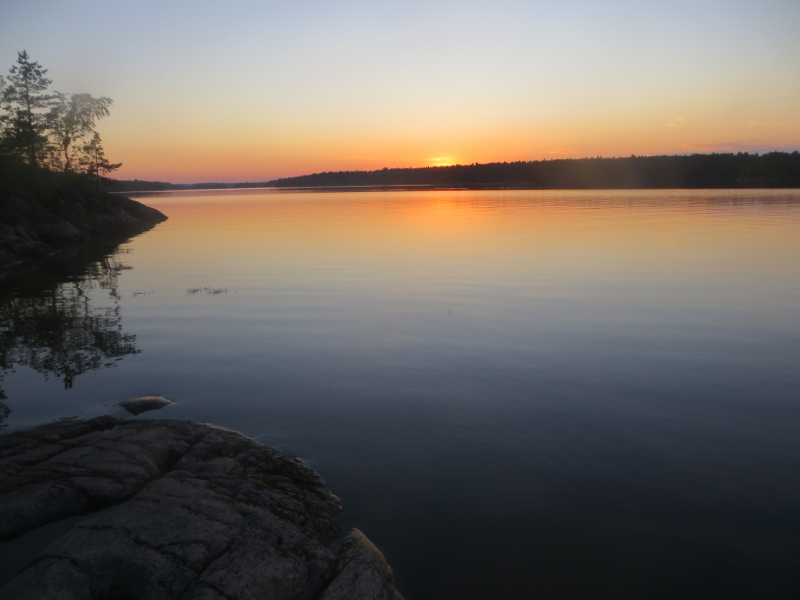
(407, 238)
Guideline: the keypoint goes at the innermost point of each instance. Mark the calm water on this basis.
(516, 394)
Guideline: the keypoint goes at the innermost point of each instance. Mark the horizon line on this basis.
(432, 167)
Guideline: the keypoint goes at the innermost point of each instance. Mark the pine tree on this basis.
(23, 100)
(94, 160)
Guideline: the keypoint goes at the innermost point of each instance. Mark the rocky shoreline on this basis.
(176, 509)
(31, 230)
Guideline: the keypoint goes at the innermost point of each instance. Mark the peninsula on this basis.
(52, 167)
(34, 226)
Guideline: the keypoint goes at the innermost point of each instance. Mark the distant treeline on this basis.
(137, 185)
(742, 170)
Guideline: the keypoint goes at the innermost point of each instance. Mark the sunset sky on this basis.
(254, 90)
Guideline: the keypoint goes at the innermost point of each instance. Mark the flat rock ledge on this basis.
(187, 510)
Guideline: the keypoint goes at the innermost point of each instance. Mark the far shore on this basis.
(695, 171)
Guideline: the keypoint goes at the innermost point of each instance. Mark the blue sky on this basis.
(254, 90)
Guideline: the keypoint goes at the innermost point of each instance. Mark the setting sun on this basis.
(352, 86)
(372, 300)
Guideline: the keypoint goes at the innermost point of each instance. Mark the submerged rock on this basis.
(193, 512)
(137, 406)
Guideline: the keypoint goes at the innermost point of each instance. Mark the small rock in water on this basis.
(145, 403)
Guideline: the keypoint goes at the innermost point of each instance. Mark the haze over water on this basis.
(573, 394)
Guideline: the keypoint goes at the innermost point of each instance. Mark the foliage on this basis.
(44, 133)
(41, 186)
(94, 160)
(742, 170)
(23, 99)
(71, 120)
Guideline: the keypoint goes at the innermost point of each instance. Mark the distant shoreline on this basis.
(426, 188)
(696, 171)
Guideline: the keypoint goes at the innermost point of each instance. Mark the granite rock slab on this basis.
(176, 509)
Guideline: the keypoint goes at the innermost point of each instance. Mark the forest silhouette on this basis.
(48, 140)
(775, 169)
(741, 170)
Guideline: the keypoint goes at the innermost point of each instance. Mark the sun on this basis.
(442, 161)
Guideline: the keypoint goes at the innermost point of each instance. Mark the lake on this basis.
(558, 394)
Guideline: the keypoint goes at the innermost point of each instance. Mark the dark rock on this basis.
(196, 512)
(31, 230)
(137, 406)
(361, 572)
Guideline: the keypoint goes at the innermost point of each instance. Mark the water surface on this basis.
(515, 393)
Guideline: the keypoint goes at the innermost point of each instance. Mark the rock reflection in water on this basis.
(63, 320)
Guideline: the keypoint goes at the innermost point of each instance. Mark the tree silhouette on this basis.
(71, 121)
(95, 162)
(742, 170)
(53, 130)
(23, 100)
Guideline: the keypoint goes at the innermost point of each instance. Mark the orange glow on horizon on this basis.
(181, 153)
(259, 91)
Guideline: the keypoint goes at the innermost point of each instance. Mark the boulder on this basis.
(192, 511)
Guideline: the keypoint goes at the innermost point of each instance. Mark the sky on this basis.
(247, 90)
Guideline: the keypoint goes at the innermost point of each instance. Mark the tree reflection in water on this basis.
(63, 321)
